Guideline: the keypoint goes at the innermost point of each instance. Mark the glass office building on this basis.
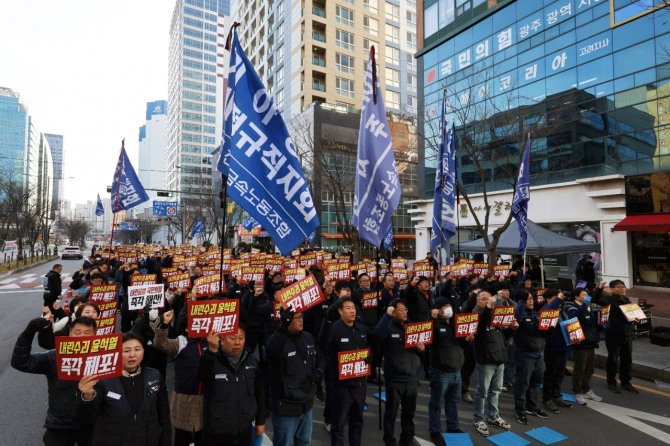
(588, 78)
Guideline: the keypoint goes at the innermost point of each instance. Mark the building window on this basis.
(392, 55)
(411, 19)
(367, 43)
(370, 25)
(279, 100)
(280, 54)
(412, 104)
(411, 41)
(393, 77)
(392, 99)
(371, 5)
(392, 12)
(411, 82)
(280, 76)
(344, 87)
(344, 16)
(392, 34)
(410, 61)
(344, 40)
(344, 63)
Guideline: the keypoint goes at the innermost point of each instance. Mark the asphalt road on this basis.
(619, 420)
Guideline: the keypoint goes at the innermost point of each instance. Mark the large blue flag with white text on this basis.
(127, 191)
(99, 209)
(377, 190)
(259, 158)
(522, 197)
(444, 197)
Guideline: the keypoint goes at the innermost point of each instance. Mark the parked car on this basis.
(71, 252)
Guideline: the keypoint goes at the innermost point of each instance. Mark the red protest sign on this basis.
(179, 280)
(103, 293)
(205, 286)
(210, 270)
(338, 271)
(276, 308)
(353, 364)
(306, 260)
(418, 332)
(548, 319)
(221, 316)
(251, 273)
(572, 331)
(501, 270)
(166, 271)
(274, 265)
(143, 279)
(106, 321)
(604, 315)
(301, 295)
(425, 270)
(293, 274)
(190, 261)
(502, 316)
(89, 355)
(632, 312)
(400, 275)
(398, 263)
(369, 300)
(466, 324)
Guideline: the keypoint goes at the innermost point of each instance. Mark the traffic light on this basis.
(109, 189)
(164, 193)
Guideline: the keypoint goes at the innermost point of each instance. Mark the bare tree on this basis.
(75, 230)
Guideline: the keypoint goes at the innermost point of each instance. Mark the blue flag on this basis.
(198, 228)
(377, 190)
(259, 158)
(99, 210)
(250, 223)
(444, 197)
(388, 239)
(522, 197)
(127, 191)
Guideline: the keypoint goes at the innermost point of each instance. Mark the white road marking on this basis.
(6, 281)
(11, 286)
(631, 418)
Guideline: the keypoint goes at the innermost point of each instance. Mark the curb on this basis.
(33, 265)
(638, 370)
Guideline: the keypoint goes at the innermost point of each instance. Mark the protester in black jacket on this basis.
(53, 286)
(296, 365)
(401, 367)
(234, 391)
(348, 396)
(256, 313)
(61, 428)
(584, 352)
(446, 359)
(555, 356)
(132, 409)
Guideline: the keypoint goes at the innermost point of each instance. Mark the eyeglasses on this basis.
(620, 286)
(402, 310)
(297, 317)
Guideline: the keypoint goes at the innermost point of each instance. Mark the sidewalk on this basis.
(30, 266)
(650, 362)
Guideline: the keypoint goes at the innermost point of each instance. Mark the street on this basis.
(618, 420)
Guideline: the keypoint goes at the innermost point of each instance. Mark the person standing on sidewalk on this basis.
(53, 286)
(555, 357)
(584, 351)
(619, 340)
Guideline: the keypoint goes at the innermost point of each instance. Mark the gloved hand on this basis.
(285, 317)
(146, 310)
(36, 325)
(315, 376)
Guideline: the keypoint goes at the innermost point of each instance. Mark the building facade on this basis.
(563, 71)
(195, 93)
(56, 145)
(14, 123)
(151, 151)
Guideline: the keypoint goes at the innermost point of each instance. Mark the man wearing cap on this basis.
(585, 270)
(446, 360)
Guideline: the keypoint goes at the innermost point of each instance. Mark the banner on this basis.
(466, 324)
(301, 295)
(548, 319)
(444, 194)
(502, 316)
(221, 316)
(377, 189)
(206, 286)
(259, 158)
(89, 355)
(127, 191)
(353, 364)
(104, 293)
(143, 279)
(418, 332)
(139, 296)
(106, 321)
(572, 331)
(99, 209)
(369, 299)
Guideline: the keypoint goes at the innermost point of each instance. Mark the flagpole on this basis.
(116, 198)
(222, 242)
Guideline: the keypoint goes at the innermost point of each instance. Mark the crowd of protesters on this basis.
(278, 362)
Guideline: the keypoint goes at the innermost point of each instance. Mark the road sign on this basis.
(165, 209)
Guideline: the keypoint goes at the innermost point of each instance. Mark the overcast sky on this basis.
(86, 70)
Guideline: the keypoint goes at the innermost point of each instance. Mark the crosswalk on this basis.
(28, 281)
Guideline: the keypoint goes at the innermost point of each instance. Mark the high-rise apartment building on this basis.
(151, 152)
(317, 52)
(195, 93)
(56, 145)
(14, 124)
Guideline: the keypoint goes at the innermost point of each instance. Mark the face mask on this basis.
(587, 300)
(448, 312)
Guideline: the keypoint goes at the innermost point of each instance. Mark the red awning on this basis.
(645, 223)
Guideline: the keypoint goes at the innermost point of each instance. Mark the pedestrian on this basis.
(555, 356)
(61, 429)
(490, 356)
(347, 396)
(53, 286)
(584, 352)
(401, 373)
(131, 409)
(234, 393)
(446, 359)
(529, 343)
(585, 271)
(619, 340)
(296, 366)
